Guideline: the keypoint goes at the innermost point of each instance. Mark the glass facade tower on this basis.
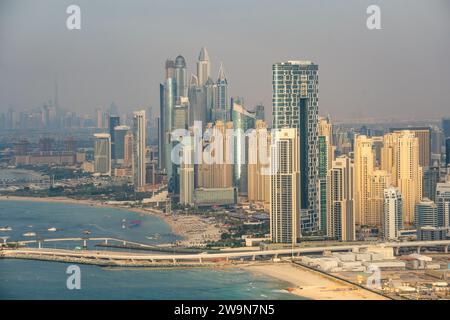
(295, 105)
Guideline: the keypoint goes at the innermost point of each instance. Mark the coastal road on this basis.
(118, 255)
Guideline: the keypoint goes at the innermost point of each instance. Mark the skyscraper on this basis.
(437, 140)
(171, 91)
(243, 120)
(284, 193)
(259, 165)
(203, 67)
(102, 154)
(426, 214)
(409, 174)
(295, 105)
(423, 134)
(447, 152)
(181, 114)
(388, 154)
(379, 180)
(169, 106)
(99, 116)
(443, 204)
(197, 101)
(128, 149)
(180, 77)
(139, 151)
(119, 133)
(364, 167)
(161, 126)
(211, 99)
(187, 176)
(400, 157)
(217, 172)
(446, 127)
(260, 113)
(114, 121)
(430, 180)
(221, 109)
(170, 69)
(341, 218)
(326, 158)
(392, 217)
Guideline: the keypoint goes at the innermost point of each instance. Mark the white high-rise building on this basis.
(341, 218)
(284, 190)
(139, 123)
(102, 153)
(187, 176)
(393, 217)
(203, 67)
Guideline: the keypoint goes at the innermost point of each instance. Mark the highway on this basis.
(61, 254)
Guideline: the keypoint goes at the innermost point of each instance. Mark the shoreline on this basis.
(180, 225)
(304, 283)
(308, 284)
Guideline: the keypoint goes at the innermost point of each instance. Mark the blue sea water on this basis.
(26, 279)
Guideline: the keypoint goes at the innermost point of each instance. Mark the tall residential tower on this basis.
(284, 191)
(139, 149)
(295, 105)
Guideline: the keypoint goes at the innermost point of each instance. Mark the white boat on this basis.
(5, 228)
(53, 229)
(29, 234)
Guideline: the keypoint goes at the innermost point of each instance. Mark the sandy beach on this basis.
(311, 285)
(192, 228)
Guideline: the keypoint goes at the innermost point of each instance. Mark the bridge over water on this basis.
(130, 257)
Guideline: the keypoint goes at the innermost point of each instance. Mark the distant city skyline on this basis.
(119, 53)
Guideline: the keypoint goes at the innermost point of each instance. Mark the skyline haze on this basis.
(120, 51)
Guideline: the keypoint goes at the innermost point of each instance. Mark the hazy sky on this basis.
(401, 71)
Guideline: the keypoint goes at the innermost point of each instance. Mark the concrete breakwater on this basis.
(13, 254)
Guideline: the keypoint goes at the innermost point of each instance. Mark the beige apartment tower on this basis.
(326, 158)
(259, 165)
(341, 220)
(284, 191)
(216, 169)
(401, 158)
(423, 134)
(409, 174)
(363, 168)
(187, 176)
(379, 181)
(128, 149)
